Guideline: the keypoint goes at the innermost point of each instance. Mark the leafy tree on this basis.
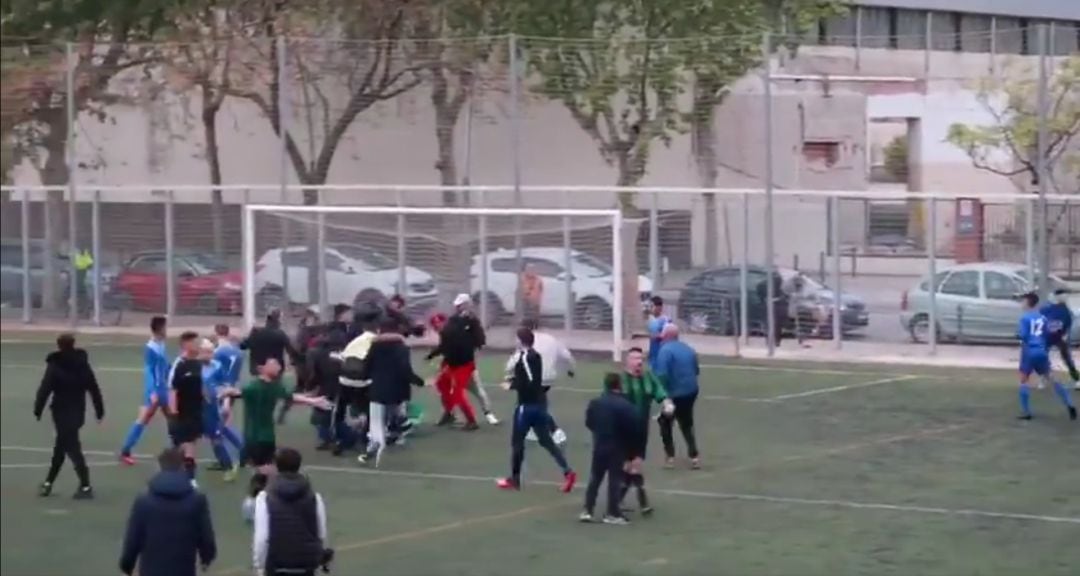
(620, 69)
(35, 123)
(344, 56)
(1008, 146)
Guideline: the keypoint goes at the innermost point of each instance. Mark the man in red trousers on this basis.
(459, 338)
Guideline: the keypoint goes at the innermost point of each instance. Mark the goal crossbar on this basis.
(248, 242)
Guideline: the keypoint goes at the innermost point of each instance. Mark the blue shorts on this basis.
(1039, 364)
(163, 397)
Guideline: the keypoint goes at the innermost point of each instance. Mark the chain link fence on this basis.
(854, 169)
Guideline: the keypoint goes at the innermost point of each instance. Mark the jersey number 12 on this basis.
(1037, 327)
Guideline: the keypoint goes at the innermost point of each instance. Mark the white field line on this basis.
(95, 463)
(824, 503)
(797, 370)
(832, 389)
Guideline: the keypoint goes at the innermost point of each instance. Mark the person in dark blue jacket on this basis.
(169, 525)
(614, 423)
(678, 370)
(1059, 324)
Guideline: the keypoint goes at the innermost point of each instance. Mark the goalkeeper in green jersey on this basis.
(642, 389)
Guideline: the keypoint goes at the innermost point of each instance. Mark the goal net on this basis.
(561, 267)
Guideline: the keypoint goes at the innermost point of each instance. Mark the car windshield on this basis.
(589, 266)
(1055, 282)
(365, 255)
(207, 263)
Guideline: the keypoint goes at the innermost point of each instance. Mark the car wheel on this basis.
(593, 314)
(919, 328)
(270, 297)
(367, 297)
(495, 309)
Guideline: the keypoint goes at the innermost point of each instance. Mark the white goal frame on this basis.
(616, 217)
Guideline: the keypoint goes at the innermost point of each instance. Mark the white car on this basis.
(354, 273)
(590, 279)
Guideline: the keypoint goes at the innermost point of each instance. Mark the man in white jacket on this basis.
(555, 358)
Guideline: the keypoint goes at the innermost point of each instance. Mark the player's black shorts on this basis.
(185, 430)
(259, 453)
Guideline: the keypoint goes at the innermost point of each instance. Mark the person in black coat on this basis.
(68, 379)
(388, 365)
(268, 341)
(614, 423)
(169, 526)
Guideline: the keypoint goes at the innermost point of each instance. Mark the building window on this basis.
(878, 27)
(975, 33)
(910, 29)
(1066, 40)
(1010, 36)
(823, 154)
(945, 31)
(838, 30)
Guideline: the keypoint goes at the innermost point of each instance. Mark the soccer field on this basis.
(818, 469)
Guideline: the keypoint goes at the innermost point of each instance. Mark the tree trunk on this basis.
(54, 173)
(704, 145)
(633, 319)
(213, 163)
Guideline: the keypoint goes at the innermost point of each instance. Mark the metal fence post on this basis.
(247, 248)
(73, 297)
(402, 247)
(515, 147)
(654, 239)
(568, 266)
(283, 159)
(770, 309)
(320, 246)
(170, 256)
(1029, 240)
(482, 232)
(95, 246)
(1043, 98)
(744, 273)
(27, 286)
(931, 249)
(837, 323)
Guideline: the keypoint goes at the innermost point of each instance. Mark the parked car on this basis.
(12, 272)
(591, 282)
(975, 302)
(710, 302)
(354, 273)
(204, 283)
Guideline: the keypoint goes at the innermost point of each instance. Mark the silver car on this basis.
(975, 302)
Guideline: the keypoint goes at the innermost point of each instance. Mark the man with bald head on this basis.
(678, 370)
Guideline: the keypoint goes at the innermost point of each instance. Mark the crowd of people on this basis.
(356, 374)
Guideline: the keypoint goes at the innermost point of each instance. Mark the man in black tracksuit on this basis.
(268, 341)
(614, 423)
(68, 379)
(290, 523)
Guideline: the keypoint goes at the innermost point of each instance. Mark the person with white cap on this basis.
(459, 339)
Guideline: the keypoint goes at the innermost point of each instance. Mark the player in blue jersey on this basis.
(655, 325)
(1035, 357)
(231, 358)
(155, 386)
(215, 376)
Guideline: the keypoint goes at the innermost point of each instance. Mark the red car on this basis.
(204, 283)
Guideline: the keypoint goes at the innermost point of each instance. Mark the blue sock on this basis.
(221, 453)
(1063, 393)
(132, 438)
(323, 432)
(230, 436)
(1025, 400)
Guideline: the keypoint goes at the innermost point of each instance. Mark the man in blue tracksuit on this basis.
(1059, 325)
(678, 370)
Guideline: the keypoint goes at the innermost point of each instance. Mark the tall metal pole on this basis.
(568, 266)
(283, 159)
(1041, 167)
(931, 250)
(73, 300)
(744, 272)
(483, 247)
(95, 246)
(170, 256)
(838, 305)
(654, 240)
(402, 248)
(320, 259)
(247, 247)
(515, 147)
(27, 296)
(770, 309)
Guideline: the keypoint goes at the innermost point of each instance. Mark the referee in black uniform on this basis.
(186, 399)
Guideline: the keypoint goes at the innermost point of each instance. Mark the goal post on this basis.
(561, 267)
